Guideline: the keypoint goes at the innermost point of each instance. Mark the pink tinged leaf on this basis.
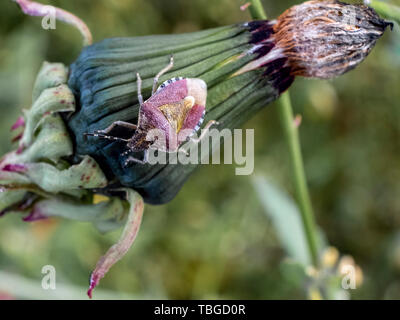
(33, 8)
(20, 149)
(17, 138)
(14, 168)
(19, 123)
(118, 250)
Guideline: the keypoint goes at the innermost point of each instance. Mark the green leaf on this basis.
(285, 217)
(85, 175)
(10, 197)
(293, 272)
(106, 216)
(51, 75)
(58, 99)
(52, 142)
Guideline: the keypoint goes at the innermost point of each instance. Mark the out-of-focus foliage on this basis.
(214, 240)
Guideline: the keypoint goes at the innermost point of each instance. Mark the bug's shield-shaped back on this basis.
(177, 110)
(176, 113)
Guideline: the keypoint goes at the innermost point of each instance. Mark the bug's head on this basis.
(197, 88)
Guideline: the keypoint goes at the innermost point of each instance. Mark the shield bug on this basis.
(176, 108)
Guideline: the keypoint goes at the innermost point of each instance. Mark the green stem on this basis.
(257, 10)
(296, 160)
(299, 177)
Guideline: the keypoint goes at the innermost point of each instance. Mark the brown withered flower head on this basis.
(321, 39)
(329, 38)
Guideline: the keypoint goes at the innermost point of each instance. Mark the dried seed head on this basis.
(324, 39)
(320, 39)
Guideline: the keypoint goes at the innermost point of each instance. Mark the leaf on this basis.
(51, 75)
(285, 217)
(58, 99)
(294, 273)
(85, 175)
(52, 142)
(106, 216)
(10, 197)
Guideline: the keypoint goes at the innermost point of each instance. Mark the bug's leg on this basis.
(139, 89)
(132, 159)
(204, 131)
(163, 71)
(126, 153)
(103, 136)
(183, 150)
(146, 156)
(198, 140)
(115, 124)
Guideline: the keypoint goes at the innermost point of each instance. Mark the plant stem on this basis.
(257, 10)
(296, 160)
(299, 177)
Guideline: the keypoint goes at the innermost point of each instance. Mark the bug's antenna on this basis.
(163, 71)
(139, 88)
(103, 136)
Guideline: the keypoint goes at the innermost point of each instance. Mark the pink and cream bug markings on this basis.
(175, 111)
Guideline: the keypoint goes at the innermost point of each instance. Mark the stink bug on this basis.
(176, 108)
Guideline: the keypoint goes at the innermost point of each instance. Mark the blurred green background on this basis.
(214, 239)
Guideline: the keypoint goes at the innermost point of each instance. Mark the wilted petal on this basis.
(33, 8)
(19, 123)
(118, 250)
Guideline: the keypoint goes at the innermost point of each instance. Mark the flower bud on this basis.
(245, 67)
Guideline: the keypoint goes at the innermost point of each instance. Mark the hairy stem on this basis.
(296, 160)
